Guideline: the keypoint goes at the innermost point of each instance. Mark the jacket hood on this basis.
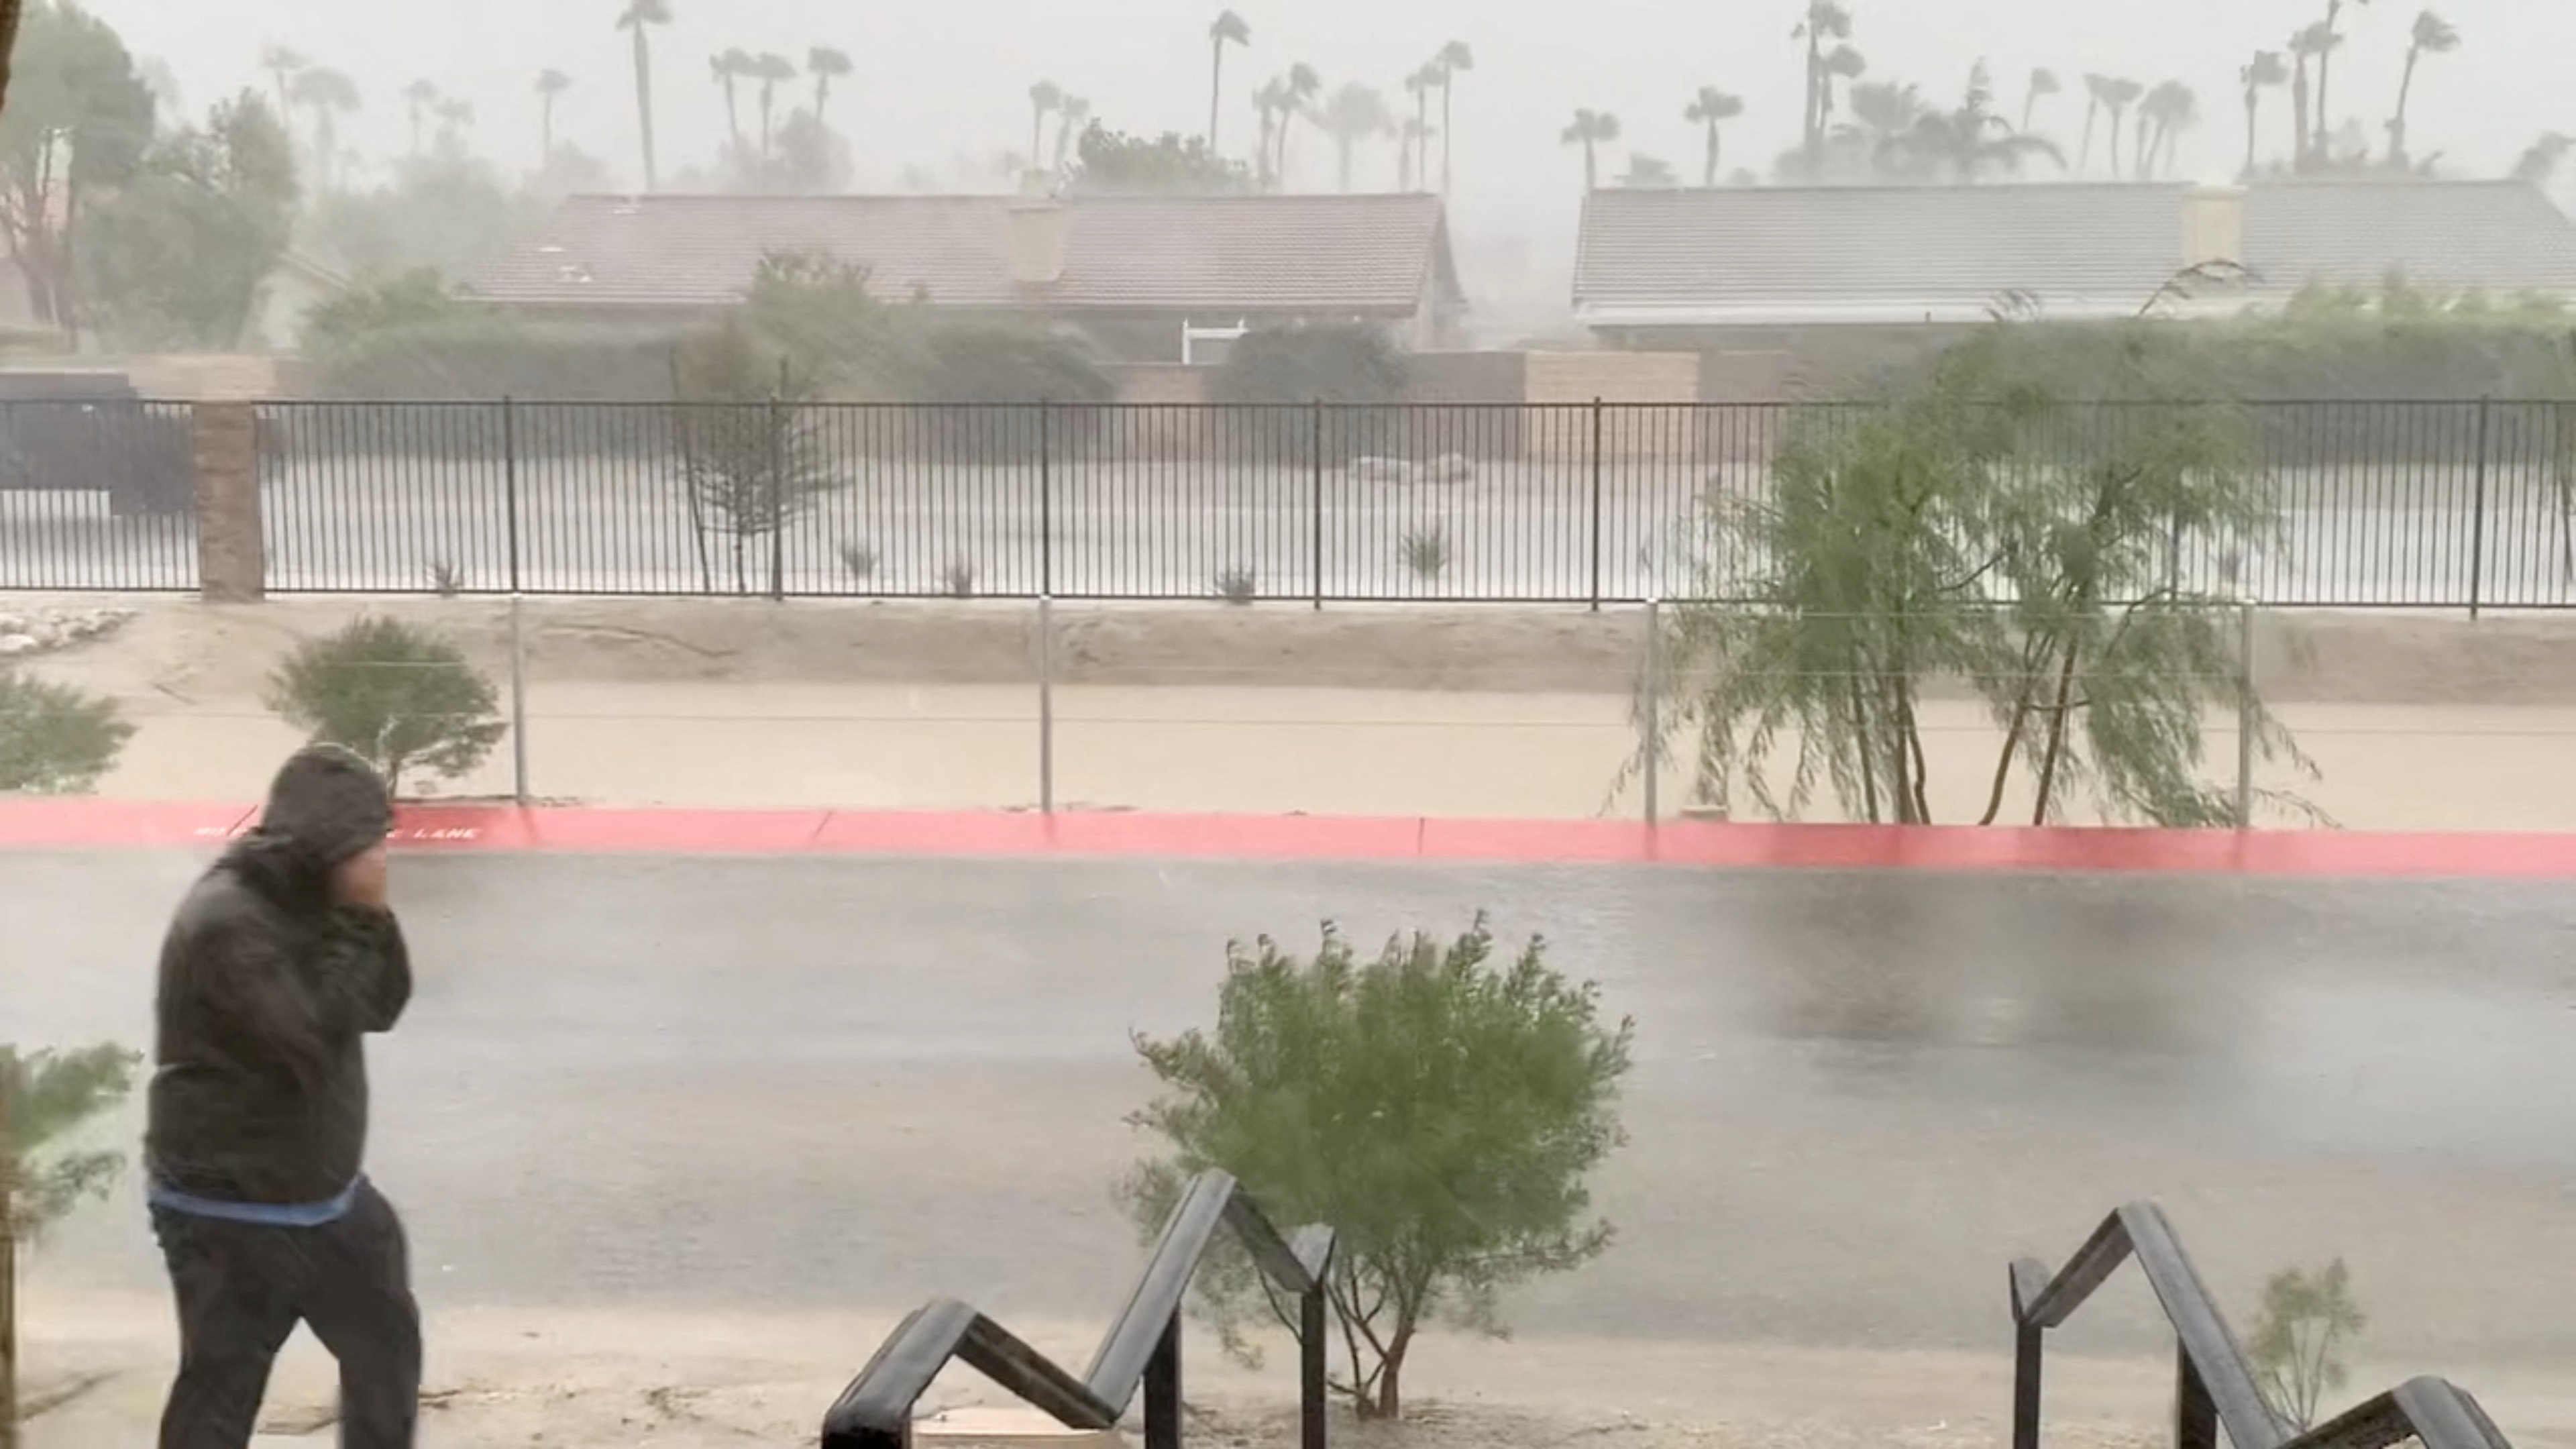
(326, 805)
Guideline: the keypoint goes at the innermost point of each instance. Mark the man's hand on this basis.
(360, 880)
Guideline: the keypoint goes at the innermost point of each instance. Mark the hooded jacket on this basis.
(267, 990)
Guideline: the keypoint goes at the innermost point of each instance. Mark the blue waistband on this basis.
(262, 1214)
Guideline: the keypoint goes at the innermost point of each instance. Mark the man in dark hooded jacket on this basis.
(281, 959)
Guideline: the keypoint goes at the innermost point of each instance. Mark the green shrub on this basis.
(1354, 368)
(54, 739)
(2307, 1324)
(1439, 1109)
(402, 697)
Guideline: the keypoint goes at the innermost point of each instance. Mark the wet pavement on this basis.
(857, 1083)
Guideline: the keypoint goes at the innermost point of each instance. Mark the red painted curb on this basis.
(104, 824)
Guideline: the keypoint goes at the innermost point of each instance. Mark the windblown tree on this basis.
(551, 85)
(1963, 144)
(2432, 35)
(419, 96)
(1046, 98)
(2118, 95)
(1415, 153)
(329, 94)
(772, 71)
(79, 123)
(1304, 84)
(46, 1099)
(1072, 123)
(2324, 126)
(2163, 115)
(455, 118)
(281, 62)
(2094, 81)
(1227, 29)
(1355, 115)
(1826, 23)
(1709, 110)
(1453, 58)
(638, 19)
(2041, 85)
(2265, 71)
(2541, 159)
(1272, 104)
(178, 256)
(1591, 130)
(1417, 132)
(1648, 173)
(2308, 47)
(828, 67)
(729, 69)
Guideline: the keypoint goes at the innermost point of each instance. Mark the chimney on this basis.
(1038, 230)
(2213, 225)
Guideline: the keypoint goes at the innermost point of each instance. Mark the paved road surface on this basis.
(746, 1083)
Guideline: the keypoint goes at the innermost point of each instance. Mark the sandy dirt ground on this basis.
(2424, 726)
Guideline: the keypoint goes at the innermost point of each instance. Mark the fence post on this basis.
(1653, 713)
(1315, 439)
(1046, 704)
(1046, 499)
(2246, 715)
(2478, 513)
(1163, 1390)
(518, 700)
(2195, 1413)
(778, 488)
(1596, 505)
(510, 485)
(2028, 1345)
(1314, 1392)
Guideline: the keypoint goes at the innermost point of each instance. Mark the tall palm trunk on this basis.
(2397, 123)
(1037, 133)
(2084, 153)
(2253, 116)
(1709, 176)
(2299, 105)
(1216, 88)
(644, 108)
(1591, 165)
(1346, 142)
(2318, 133)
(1813, 141)
(768, 109)
(733, 114)
(545, 130)
(1448, 88)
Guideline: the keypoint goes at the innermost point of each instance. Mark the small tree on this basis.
(1354, 368)
(55, 740)
(2307, 1323)
(1440, 1111)
(748, 454)
(43, 1098)
(400, 696)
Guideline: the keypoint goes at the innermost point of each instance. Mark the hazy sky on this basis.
(939, 80)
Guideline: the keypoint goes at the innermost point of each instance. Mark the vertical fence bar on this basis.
(2246, 720)
(2195, 1413)
(1046, 499)
(1313, 1382)
(2478, 512)
(1653, 712)
(518, 700)
(510, 488)
(778, 488)
(1315, 440)
(1163, 1390)
(2029, 1340)
(1046, 704)
(1596, 505)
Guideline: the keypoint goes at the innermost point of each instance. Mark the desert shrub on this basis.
(54, 739)
(402, 697)
(1426, 552)
(2306, 1326)
(745, 441)
(1438, 1108)
(45, 1097)
(1238, 586)
(1355, 369)
(1002, 373)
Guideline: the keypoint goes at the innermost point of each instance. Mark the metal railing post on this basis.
(2029, 1341)
(1596, 505)
(1313, 1382)
(2478, 512)
(510, 484)
(1163, 1390)
(2247, 715)
(2195, 1413)
(1653, 712)
(1046, 704)
(1046, 499)
(778, 493)
(518, 702)
(1315, 440)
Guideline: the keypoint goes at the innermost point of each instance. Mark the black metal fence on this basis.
(2382, 504)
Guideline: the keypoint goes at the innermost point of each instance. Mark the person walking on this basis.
(280, 961)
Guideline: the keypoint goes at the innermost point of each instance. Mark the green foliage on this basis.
(448, 211)
(743, 432)
(54, 739)
(1113, 163)
(402, 697)
(1969, 529)
(180, 256)
(1353, 366)
(2307, 1323)
(1438, 1108)
(73, 81)
(345, 324)
(819, 312)
(45, 1097)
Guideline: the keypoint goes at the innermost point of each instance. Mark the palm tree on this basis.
(330, 95)
(1591, 130)
(2325, 66)
(1304, 84)
(2094, 82)
(1711, 108)
(2310, 44)
(1227, 29)
(1417, 150)
(2043, 82)
(827, 66)
(772, 71)
(1826, 20)
(2167, 111)
(282, 63)
(730, 68)
(1454, 57)
(1417, 132)
(1046, 98)
(1964, 143)
(2118, 94)
(418, 97)
(1841, 63)
(1356, 113)
(1647, 173)
(2432, 34)
(551, 84)
(2540, 159)
(1884, 114)
(639, 17)
(1272, 103)
(2265, 69)
(1070, 120)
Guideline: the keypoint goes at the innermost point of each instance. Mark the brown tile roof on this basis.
(1784, 254)
(1255, 254)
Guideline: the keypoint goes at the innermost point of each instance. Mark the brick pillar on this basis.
(232, 563)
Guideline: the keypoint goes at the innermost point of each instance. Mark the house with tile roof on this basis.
(1135, 273)
(1778, 266)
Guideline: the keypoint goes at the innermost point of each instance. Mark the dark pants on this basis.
(243, 1287)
